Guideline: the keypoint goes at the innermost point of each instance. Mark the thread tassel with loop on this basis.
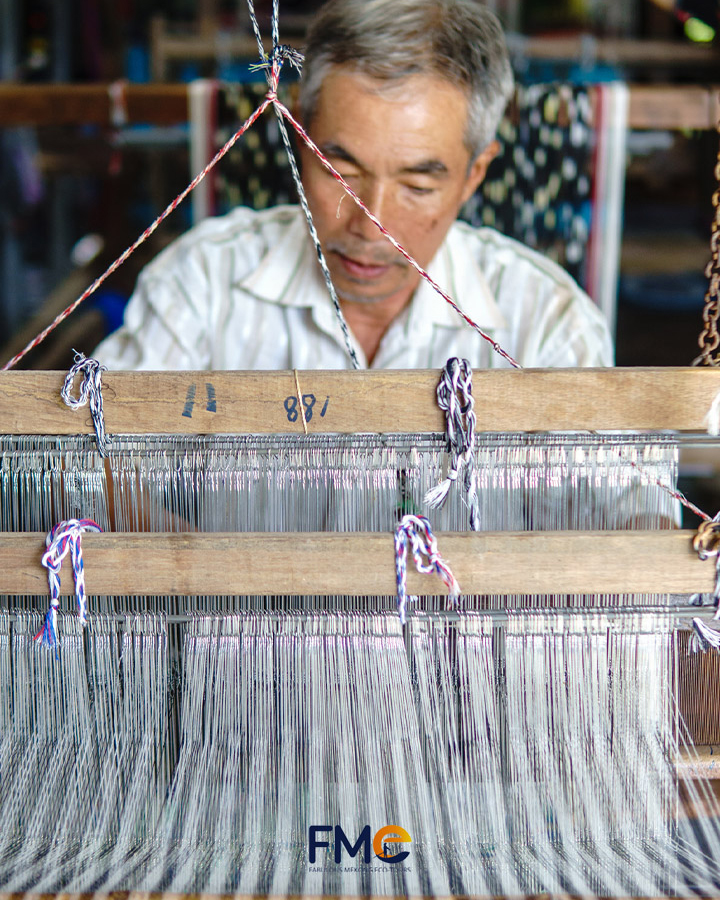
(706, 543)
(416, 531)
(90, 392)
(455, 398)
(64, 538)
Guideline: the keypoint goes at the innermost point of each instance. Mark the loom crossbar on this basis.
(337, 402)
(363, 564)
(651, 106)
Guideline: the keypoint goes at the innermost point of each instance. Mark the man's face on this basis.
(400, 145)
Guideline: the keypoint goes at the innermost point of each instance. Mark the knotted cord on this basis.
(455, 398)
(416, 531)
(90, 392)
(64, 538)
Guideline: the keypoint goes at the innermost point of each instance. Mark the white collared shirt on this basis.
(244, 291)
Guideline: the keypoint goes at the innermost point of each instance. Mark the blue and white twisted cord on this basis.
(272, 63)
(90, 392)
(64, 538)
(416, 531)
(455, 398)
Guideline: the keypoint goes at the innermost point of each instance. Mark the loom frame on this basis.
(367, 401)
(347, 402)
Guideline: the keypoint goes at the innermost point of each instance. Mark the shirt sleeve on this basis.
(166, 321)
(573, 332)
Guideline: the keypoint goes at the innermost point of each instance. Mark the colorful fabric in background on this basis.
(255, 172)
(538, 190)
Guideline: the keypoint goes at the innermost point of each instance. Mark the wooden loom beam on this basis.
(343, 402)
(651, 106)
(90, 104)
(363, 564)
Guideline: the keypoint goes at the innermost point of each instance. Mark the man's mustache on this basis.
(369, 256)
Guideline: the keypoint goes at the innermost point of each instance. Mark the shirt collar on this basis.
(283, 273)
(290, 276)
(455, 270)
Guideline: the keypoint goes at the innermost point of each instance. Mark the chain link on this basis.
(709, 339)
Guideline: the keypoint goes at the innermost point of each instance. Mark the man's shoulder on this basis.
(492, 250)
(242, 231)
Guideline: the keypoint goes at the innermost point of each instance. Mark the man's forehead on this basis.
(388, 87)
(422, 118)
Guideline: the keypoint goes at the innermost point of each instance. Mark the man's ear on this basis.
(479, 168)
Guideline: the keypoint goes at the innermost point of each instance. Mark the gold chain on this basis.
(710, 339)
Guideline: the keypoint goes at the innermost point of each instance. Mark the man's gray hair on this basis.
(460, 40)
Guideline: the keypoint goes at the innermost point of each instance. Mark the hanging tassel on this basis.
(416, 531)
(455, 398)
(703, 638)
(64, 538)
(706, 543)
(90, 392)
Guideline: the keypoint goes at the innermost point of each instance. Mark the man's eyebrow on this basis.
(338, 152)
(427, 167)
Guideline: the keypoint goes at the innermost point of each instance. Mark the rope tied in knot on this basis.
(416, 531)
(90, 392)
(280, 53)
(455, 398)
(706, 544)
(64, 538)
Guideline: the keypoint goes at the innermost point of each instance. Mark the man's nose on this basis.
(375, 196)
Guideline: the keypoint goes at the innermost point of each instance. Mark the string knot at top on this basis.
(90, 392)
(64, 538)
(280, 54)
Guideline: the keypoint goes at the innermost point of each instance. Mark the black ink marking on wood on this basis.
(291, 408)
(189, 402)
(211, 399)
(308, 402)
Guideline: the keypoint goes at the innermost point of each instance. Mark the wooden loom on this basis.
(354, 563)
(379, 402)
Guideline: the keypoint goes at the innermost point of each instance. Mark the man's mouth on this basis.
(358, 268)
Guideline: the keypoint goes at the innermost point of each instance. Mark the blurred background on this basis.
(109, 107)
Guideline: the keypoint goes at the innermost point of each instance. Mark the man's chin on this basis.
(364, 299)
(364, 291)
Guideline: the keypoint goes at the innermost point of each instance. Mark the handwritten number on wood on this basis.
(308, 401)
(211, 399)
(211, 405)
(189, 401)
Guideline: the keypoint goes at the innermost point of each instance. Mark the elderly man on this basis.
(404, 97)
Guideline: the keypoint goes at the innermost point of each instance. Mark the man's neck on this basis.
(369, 321)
